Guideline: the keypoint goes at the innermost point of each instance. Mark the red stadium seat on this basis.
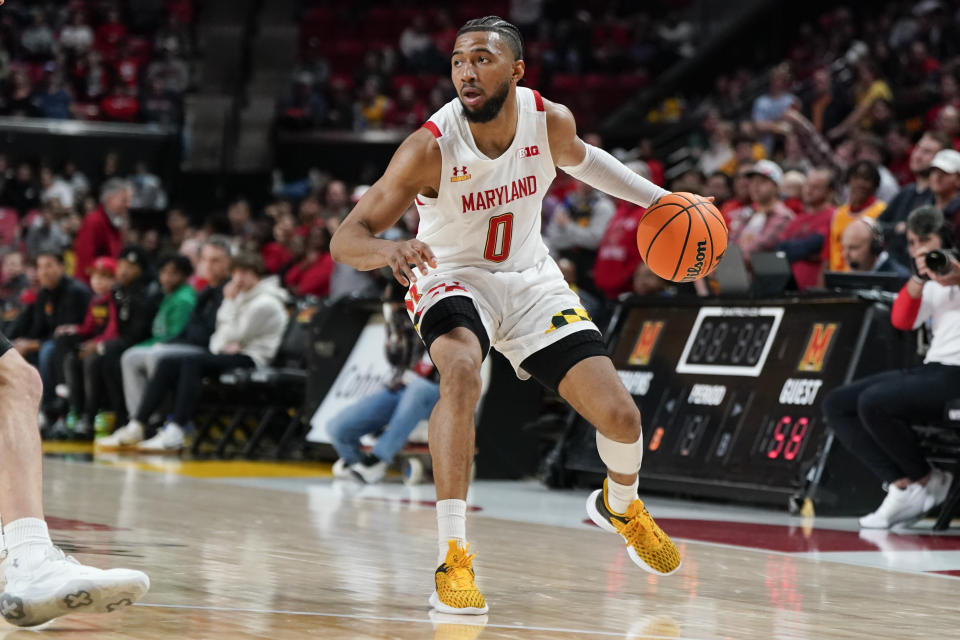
(140, 49)
(398, 81)
(322, 17)
(342, 80)
(567, 83)
(427, 83)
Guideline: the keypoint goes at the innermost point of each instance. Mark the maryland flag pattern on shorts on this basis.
(567, 316)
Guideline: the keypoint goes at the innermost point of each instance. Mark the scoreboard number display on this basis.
(731, 395)
(730, 341)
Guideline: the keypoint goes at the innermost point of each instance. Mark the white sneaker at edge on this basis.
(59, 585)
(126, 436)
(341, 470)
(369, 475)
(168, 438)
(899, 507)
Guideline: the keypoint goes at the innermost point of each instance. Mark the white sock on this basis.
(620, 496)
(451, 523)
(174, 428)
(27, 539)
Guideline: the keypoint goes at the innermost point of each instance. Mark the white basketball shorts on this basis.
(522, 312)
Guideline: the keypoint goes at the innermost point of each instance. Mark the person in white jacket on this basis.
(250, 325)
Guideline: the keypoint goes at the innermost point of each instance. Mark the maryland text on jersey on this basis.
(489, 198)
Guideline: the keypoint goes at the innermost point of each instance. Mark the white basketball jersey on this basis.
(487, 211)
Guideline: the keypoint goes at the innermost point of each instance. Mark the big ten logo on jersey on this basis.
(818, 347)
(460, 174)
(528, 152)
(643, 349)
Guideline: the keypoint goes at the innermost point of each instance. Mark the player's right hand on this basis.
(406, 253)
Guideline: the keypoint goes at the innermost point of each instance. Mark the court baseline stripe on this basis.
(354, 616)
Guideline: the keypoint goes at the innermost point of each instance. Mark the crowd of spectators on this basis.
(117, 308)
(860, 121)
(95, 60)
(809, 176)
(386, 66)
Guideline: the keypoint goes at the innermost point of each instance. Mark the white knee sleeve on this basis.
(620, 457)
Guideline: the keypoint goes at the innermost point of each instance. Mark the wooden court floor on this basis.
(237, 561)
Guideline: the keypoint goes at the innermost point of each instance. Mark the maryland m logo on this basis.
(818, 347)
(643, 349)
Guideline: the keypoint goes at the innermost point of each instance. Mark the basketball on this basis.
(682, 237)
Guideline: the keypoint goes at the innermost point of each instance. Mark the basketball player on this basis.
(478, 171)
(40, 583)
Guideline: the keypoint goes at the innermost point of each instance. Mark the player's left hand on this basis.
(408, 252)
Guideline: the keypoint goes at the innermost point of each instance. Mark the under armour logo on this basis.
(460, 173)
(113, 606)
(78, 599)
(11, 608)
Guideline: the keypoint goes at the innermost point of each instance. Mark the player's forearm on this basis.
(353, 244)
(602, 171)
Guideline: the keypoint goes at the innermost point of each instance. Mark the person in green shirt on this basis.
(178, 302)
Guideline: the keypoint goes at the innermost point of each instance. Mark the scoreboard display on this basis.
(731, 395)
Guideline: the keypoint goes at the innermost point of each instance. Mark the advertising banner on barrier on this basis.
(365, 372)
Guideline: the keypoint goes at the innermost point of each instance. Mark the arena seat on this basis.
(259, 402)
(952, 504)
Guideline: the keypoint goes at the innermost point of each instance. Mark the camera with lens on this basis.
(939, 261)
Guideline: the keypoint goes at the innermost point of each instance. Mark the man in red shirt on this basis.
(311, 276)
(803, 238)
(617, 255)
(101, 233)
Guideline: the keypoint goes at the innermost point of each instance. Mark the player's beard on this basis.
(490, 109)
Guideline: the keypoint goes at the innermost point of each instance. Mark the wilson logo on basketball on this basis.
(460, 174)
(528, 152)
(694, 272)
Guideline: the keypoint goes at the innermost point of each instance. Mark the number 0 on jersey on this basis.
(499, 235)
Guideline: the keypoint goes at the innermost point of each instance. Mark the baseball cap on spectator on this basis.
(134, 255)
(104, 264)
(768, 169)
(947, 160)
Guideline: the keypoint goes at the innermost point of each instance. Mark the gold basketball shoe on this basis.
(456, 591)
(647, 545)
